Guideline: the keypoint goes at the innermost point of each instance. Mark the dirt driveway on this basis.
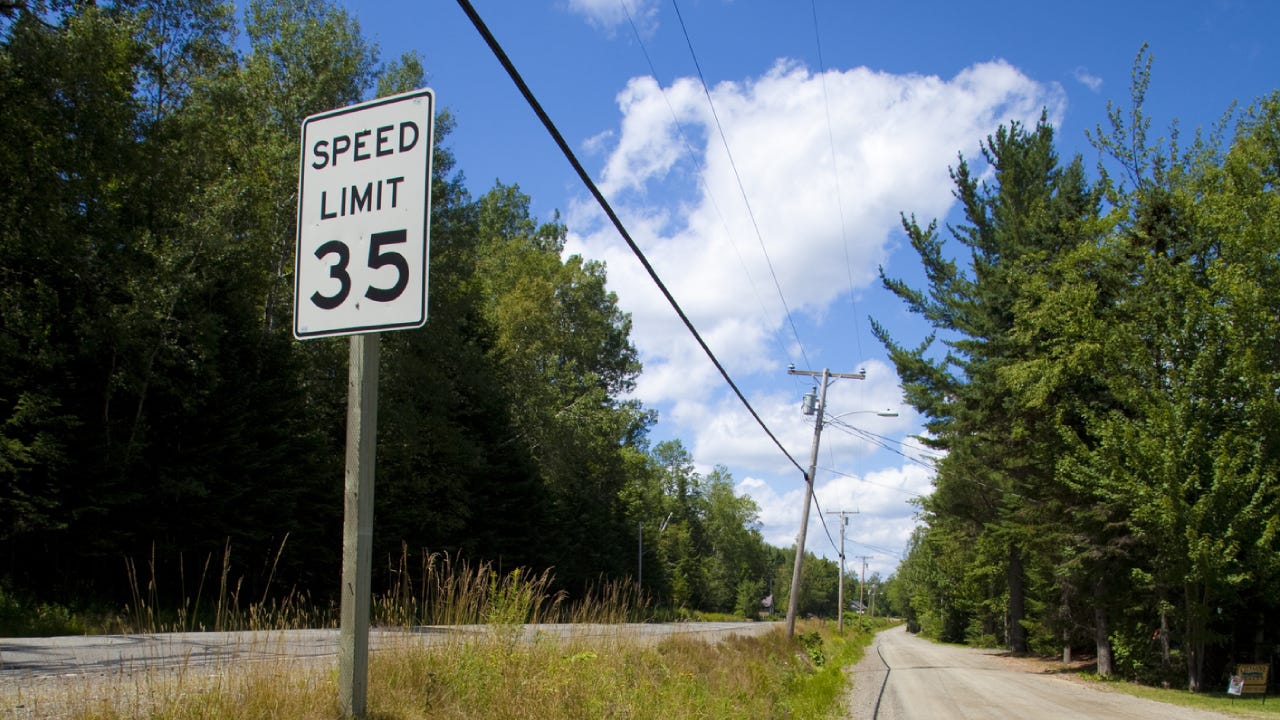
(904, 677)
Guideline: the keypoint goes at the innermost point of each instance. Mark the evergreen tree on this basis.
(1000, 459)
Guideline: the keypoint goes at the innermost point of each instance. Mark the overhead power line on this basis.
(877, 548)
(882, 442)
(821, 520)
(741, 188)
(702, 181)
(529, 97)
(733, 165)
(861, 479)
(835, 169)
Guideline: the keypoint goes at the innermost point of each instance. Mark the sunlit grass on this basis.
(502, 666)
(1250, 706)
(485, 676)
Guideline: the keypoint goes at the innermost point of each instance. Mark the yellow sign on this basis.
(1254, 677)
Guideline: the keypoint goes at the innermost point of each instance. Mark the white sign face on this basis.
(364, 217)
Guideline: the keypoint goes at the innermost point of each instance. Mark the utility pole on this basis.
(863, 583)
(818, 410)
(844, 521)
(640, 549)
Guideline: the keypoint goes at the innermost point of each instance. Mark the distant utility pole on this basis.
(844, 521)
(863, 583)
(640, 549)
(817, 411)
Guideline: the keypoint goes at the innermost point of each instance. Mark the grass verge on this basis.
(497, 676)
(499, 673)
(1244, 707)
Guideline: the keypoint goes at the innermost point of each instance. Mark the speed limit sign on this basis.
(364, 217)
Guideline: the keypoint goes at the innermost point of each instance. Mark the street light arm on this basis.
(860, 375)
(881, 413)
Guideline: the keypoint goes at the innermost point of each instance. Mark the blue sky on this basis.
(827, 162)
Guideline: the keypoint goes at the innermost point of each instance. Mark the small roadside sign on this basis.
(1235, 686)
(364, 217)
(1253, 677)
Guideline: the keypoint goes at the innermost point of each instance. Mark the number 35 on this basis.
(378, 258)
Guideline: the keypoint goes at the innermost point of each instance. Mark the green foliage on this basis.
(812, 644)
(1000, 448)
(1107, 399)
(22, 616)
(817, 694)
(702, 543)
(153, 403)
(748, 597)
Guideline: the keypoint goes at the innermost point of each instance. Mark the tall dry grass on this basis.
(498, 670)
(440, 589)
(227, 610)
(484, 677)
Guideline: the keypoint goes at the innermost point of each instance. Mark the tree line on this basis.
(156, 411)
(1104, 378)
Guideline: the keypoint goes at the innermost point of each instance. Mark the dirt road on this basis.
(904, 677)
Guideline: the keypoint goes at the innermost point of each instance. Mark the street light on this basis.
(881, 413)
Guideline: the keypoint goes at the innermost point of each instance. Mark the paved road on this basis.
(24, 659)
(904, 677)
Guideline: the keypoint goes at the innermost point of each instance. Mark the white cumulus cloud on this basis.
(815, 223)
(894, 138)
